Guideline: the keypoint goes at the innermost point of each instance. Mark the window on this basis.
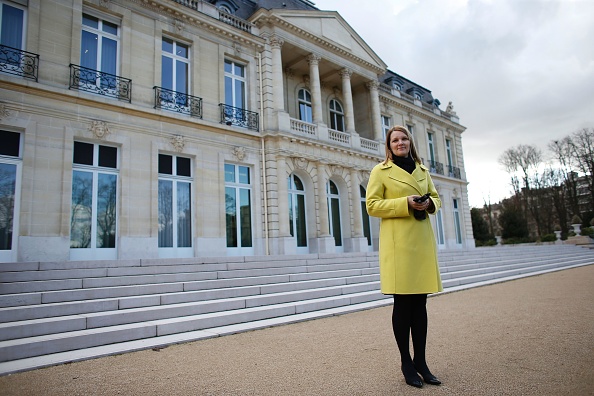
(365, 215)
(235, 91)
(386, 125)
(457, 225)
(410, 128)
(431, 151)
(10, 175)
(304, 99)
(12, 23)
(297, 219)
(238, 206)
(175, 202)
(334, 212)
(174, 73)
(93, 221)
(99, 52)
(440, 235)
(336, 116)
(449, 155)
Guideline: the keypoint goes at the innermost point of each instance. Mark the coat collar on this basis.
(399, 174)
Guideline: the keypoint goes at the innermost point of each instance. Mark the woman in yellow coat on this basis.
(407, 249)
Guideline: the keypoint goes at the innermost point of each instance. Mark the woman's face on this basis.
(399, 144)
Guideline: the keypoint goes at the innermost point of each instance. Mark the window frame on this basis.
(238, 186)
(10, 255)
(336, 116)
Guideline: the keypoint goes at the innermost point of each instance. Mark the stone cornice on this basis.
(203, 21)
(429, 116)
(273, 20)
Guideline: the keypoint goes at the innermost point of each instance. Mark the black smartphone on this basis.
(422, 198)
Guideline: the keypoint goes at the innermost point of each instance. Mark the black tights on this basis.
(409, 317)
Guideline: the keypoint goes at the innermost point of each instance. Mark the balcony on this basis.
(19, 62)
(210, 10)
(311, 131)
(239, 117)
(436, 167)
(179, 102)
(97, 82)
(454, 171)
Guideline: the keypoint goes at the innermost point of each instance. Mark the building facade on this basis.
(161, 128)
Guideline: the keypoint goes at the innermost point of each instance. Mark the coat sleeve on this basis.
(377, 204)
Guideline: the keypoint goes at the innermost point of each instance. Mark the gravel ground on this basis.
(532, 336)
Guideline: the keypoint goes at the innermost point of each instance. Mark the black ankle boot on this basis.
(410, 375)
(426, 374)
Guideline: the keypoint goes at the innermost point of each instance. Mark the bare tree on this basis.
(563, 152)
(583, 150)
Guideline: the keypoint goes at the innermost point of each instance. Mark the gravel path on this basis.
(532, 336)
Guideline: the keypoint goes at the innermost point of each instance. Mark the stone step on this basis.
(147, 299)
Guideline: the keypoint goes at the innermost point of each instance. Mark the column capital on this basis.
(372, 85)
(276, 41)
(346, 73)
(314, 59)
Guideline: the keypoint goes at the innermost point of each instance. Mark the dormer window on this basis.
(395, 83)
(227, 6)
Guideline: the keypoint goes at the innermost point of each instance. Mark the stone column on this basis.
(347, 96)
(316, 89)
(376, 116)
(277, 73)
(357, 215)
(322, 201)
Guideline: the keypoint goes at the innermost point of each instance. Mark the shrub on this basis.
(516, 241)
(588, 231)
(490, 242)
(576, 220)
(548, 238)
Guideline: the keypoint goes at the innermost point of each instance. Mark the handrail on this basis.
(18, 62)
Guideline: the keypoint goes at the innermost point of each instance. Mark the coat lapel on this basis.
(403, 176)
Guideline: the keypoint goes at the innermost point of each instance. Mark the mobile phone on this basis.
(422, 198)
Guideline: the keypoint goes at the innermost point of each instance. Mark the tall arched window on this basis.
(304, 99)
(297, 220)
(365, 216)
(336, 116)
(334, 212)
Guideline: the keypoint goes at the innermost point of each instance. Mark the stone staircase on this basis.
(57, 312)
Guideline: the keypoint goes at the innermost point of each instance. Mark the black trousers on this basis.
(409, 318)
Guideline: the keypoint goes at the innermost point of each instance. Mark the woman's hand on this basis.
(418, 205)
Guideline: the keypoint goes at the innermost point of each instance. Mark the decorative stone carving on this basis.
(300, 163)
(372, 85)
(450, 108)
(276, 42)
(179, 26)
(4, 112)
(104, 3)
(289, 72)
(314, 59)
(178, 142)
(364, 175)
(337, 91)
(346, 73)
(306, 79)
(239, 153)
(237, 48)
(335, 169)
(99, 129)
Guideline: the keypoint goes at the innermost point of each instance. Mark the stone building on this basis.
(185, 128)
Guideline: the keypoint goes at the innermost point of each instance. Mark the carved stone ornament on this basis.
(300, 162)
(239, 153)
(335, 169)
(179, 26)
(276, 42)
(4, 112)
(364, 175)
(237, 48)
(99, 129)
(178, 142)
(104, 3)
(372, 85)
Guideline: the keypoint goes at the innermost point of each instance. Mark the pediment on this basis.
(329, 27)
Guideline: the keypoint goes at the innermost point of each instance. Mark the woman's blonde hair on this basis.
(412, 152)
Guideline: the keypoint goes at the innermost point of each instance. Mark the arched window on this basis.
(334, 212)
(304, 99)
(297, 219)
(336, 116)
(365, 216)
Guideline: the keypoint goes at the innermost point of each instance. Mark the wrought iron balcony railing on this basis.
(19, 62)
(235, 116)
(176, 101)
(454, 171)
(436, 167)
(90, 80)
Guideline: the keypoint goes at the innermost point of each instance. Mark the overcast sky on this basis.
(517, 71)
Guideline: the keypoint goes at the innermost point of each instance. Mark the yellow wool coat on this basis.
(407, 246)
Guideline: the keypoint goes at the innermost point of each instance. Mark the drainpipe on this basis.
(263, 149)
